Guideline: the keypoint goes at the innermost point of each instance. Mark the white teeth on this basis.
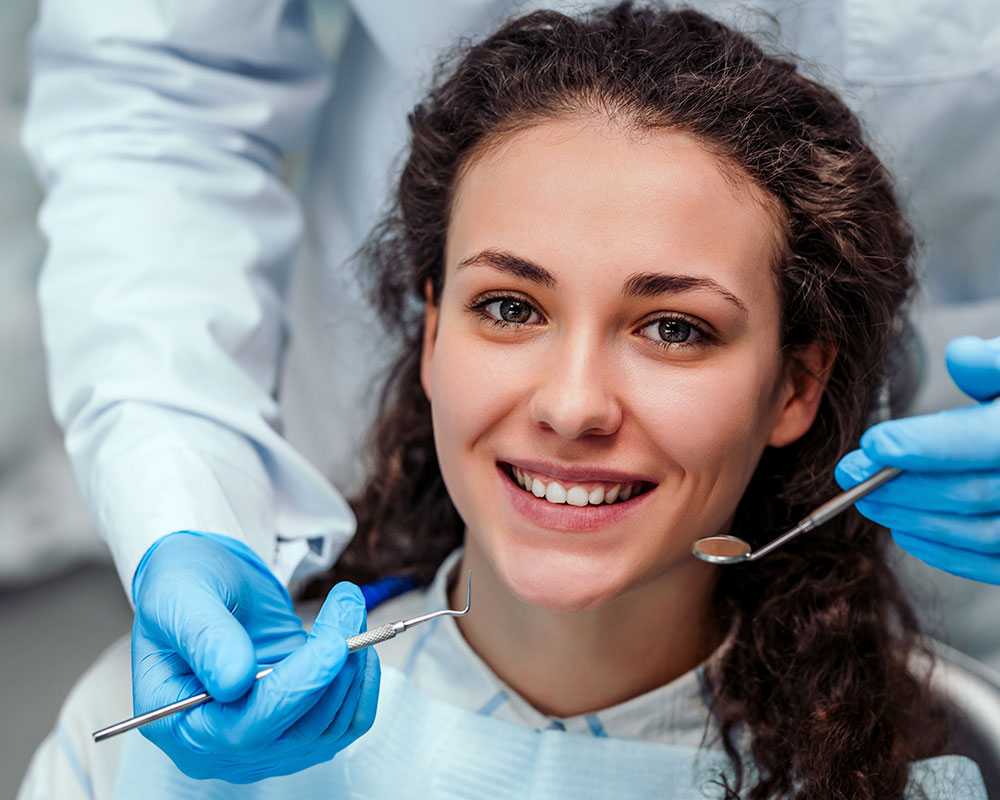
(555, 493)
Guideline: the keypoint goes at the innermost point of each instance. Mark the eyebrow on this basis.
(511, 264)
(650, 284)
(643, 284)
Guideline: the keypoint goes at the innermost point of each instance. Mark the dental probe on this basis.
(359, 642)
(725, 549)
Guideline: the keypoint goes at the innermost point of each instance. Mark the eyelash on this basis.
(705, 336)
(479, 306)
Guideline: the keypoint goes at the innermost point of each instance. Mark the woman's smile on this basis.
(572, 503)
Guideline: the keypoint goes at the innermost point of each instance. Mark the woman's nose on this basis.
(577, 393)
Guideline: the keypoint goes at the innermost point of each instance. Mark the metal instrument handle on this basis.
(833, 507)
(829, 510)
(380, 634)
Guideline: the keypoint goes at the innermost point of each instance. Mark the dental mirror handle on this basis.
(830, 509)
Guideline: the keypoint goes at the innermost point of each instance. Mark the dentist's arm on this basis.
(945, 508)
(157, 129)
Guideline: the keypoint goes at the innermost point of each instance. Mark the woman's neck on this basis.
(569, 663)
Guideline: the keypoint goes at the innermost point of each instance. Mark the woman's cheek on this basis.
(474, 386)
(707, 416)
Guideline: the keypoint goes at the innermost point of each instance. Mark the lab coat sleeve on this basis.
(157, 128)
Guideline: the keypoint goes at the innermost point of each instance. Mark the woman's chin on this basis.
(556, 582)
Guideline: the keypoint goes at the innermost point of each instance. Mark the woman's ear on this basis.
(430, 335)
(806, 373)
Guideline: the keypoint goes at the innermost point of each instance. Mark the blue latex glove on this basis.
(208, 611)
(945, 509)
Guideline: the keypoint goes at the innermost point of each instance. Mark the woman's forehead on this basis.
(582, 191)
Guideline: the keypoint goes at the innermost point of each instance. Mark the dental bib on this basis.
(422, 748)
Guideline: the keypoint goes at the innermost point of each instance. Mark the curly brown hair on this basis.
(815, 685)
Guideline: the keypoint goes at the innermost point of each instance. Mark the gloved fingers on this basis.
(955, 440)
(299, 747)
(152, 664)
(188, 565)
(273, 705)
(970, 564)
(854, 468)
(968, 494)
(159, 677)
(343, 612)
(349, 708)
(355, 717)
(278, 700)
(339, 700)
(364, 713)
(276, 641)
(197, 626)
(331, 715)
(974, 365)
(981, 534)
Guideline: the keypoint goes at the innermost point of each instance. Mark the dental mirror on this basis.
(725, 549)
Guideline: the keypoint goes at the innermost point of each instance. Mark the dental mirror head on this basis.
(722, 549)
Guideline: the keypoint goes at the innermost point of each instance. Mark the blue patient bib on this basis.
(422, 748)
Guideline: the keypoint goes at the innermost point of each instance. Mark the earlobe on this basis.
(806, 374)
(430, 334)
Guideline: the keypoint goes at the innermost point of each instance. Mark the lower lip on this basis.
(564, 517)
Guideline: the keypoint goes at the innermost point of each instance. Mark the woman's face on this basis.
(607, 337)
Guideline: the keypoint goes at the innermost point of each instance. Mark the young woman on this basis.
(644, 278)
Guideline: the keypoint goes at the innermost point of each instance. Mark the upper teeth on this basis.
(575, 495)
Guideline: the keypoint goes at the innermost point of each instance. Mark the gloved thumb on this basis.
(343, 612)
(201, 629)
(974, 365)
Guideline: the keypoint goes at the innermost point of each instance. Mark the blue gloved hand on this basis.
(208, 611)
(945, 508)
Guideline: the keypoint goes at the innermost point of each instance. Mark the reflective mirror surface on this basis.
(721, 549)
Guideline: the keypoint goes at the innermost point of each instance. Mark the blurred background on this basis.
(60, 600)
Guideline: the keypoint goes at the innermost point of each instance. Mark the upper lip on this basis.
(577, 472)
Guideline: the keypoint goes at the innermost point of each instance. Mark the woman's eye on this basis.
(512, 310)
(672, 330)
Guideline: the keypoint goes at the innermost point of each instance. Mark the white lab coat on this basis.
(158, 128)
